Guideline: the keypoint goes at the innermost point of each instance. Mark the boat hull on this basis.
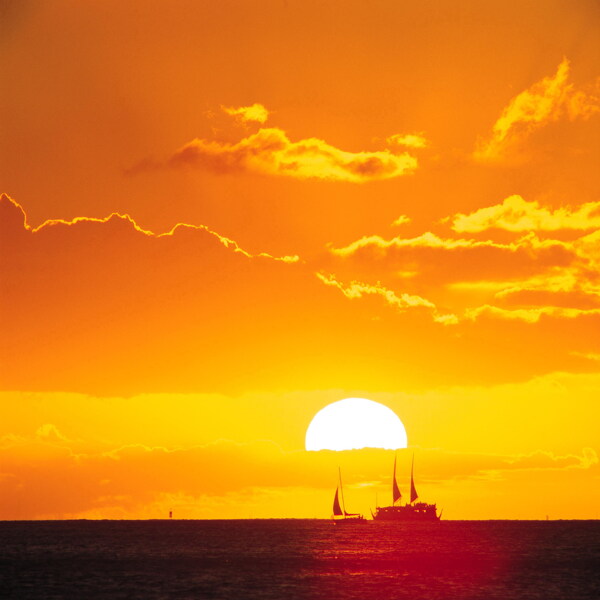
(350, 521)
(410, 512)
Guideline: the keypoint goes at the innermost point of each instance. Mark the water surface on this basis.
(304, 559)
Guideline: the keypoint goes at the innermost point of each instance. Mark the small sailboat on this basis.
(411, 511)
(340, 510)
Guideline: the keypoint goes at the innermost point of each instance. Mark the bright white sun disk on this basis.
(355, 423)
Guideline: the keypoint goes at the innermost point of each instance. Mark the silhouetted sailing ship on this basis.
(412, 511)
(340, 511)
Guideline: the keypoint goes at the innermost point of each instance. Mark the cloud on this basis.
(588, 248)
(548, 460)
(47, 431)
(11, 208)
(141, 481)
(137, 457)
(434, 259)
(270, 152)
(527, 296)
(401, 220)
(545, 101)
(378, 244)
(357, 289)
(516, 214)
(256, 113)
(139, 305)
(480, 465)
(410, 140)
(524, 280)
(402, 302)
(126, 309)
(593, 356)
(529, 315)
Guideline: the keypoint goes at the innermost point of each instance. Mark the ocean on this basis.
(303, 559)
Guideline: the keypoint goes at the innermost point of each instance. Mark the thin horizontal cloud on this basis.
(379, 245)
(128, 221)
(545, 101)
(256, 113)
(549, 460)
(556, 280)
(435, 260)
(594, 356)
(356, 289)
(516, 214)
(528, 315)
(466, 465)
(576, 286)
(526, 296)
(402, 302)
(271, 152)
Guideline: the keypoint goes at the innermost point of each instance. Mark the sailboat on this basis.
(411, 511)
(340, 510)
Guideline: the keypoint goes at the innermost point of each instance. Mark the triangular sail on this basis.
(396, 495)
(337, 509)
(413, 489)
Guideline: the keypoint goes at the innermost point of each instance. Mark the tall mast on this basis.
(413, 489)
(394, 484)
(342, 491)
(396, 495)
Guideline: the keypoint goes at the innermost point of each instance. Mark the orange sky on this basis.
(218, 217)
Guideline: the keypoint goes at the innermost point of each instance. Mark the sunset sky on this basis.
(219, 217)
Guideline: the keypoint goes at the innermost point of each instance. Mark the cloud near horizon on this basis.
(545, 101)
(102, 477)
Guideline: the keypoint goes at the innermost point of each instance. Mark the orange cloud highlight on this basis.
(523, 280)
(357, 289)
(401, 220)
(516, 214)
(256, 113)
(545, 101)
(409, 140)
(124, 218)
(379, 246)
(528, 315)
(270, 152)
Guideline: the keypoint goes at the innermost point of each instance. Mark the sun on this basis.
(355, 423)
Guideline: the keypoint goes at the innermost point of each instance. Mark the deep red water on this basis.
(288, 559)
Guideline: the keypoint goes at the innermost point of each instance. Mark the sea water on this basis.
(304, 559)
